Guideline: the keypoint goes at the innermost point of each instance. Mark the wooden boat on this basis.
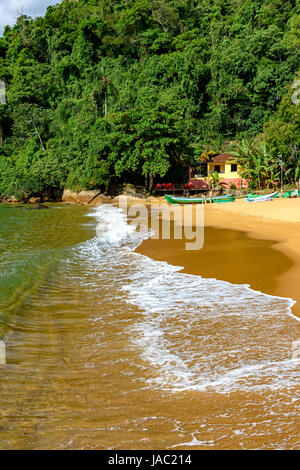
(221, 199)
(258, 198)
(198, 200)
(290, 193)
(184, 200)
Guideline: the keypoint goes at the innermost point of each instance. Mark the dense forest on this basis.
(106, 91)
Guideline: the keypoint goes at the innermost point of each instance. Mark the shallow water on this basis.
(109, 349)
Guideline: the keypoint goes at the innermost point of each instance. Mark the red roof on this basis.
(223, 157)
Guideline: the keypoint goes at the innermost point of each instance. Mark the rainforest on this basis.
(102, 92)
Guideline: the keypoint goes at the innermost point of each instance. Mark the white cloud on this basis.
(11, 9)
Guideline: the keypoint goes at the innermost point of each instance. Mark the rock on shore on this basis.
(84, 197)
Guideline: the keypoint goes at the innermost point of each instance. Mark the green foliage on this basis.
(257, 163)
(292, 38)
(282, 134)
(214, 180)
(152, 140)
(100, 91)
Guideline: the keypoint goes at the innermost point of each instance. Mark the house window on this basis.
(233, 168)
(217, 169)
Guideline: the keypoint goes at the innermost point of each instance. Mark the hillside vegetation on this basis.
(105, 91)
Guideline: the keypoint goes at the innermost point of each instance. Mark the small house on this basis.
(225, 165)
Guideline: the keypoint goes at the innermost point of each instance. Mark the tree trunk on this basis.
(38, 134)
(150, 182)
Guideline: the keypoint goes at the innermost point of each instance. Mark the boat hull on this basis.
(257, 198)
(223, 200)
(189, 200)
(183, 200)
(292, 193)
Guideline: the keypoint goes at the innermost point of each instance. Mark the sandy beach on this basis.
(106, 348)
(255, 244)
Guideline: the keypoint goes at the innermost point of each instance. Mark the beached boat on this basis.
(221, 199)
(255, 196)
(198, 200)
(258, 198)
(290, 193)
(184, 200)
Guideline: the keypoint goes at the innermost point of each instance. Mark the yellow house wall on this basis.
(225, 170)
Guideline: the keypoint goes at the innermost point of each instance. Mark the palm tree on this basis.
(257, 163)
(103, 84)
(293, 162)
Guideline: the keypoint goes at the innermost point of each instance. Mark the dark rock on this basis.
(40, 206)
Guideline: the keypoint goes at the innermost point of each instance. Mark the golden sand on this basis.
(273, 267)
(78, 377)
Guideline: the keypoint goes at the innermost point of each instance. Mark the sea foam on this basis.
(195, 333)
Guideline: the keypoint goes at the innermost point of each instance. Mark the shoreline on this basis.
(275, 226)
(257, 244)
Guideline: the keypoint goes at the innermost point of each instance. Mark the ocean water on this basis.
(109, 349)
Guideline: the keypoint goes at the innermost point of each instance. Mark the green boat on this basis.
(259, 196)
(184, 200)
(287, 194)
(276, 195)
(198, 200)
(222, 199)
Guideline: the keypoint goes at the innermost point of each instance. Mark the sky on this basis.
(11, 9)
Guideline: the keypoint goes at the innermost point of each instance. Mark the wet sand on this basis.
(108, 350)
(255, 244)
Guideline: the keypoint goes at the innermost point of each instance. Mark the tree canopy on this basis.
(106, 90)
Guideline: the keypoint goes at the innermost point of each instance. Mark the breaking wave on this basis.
(195, 333)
